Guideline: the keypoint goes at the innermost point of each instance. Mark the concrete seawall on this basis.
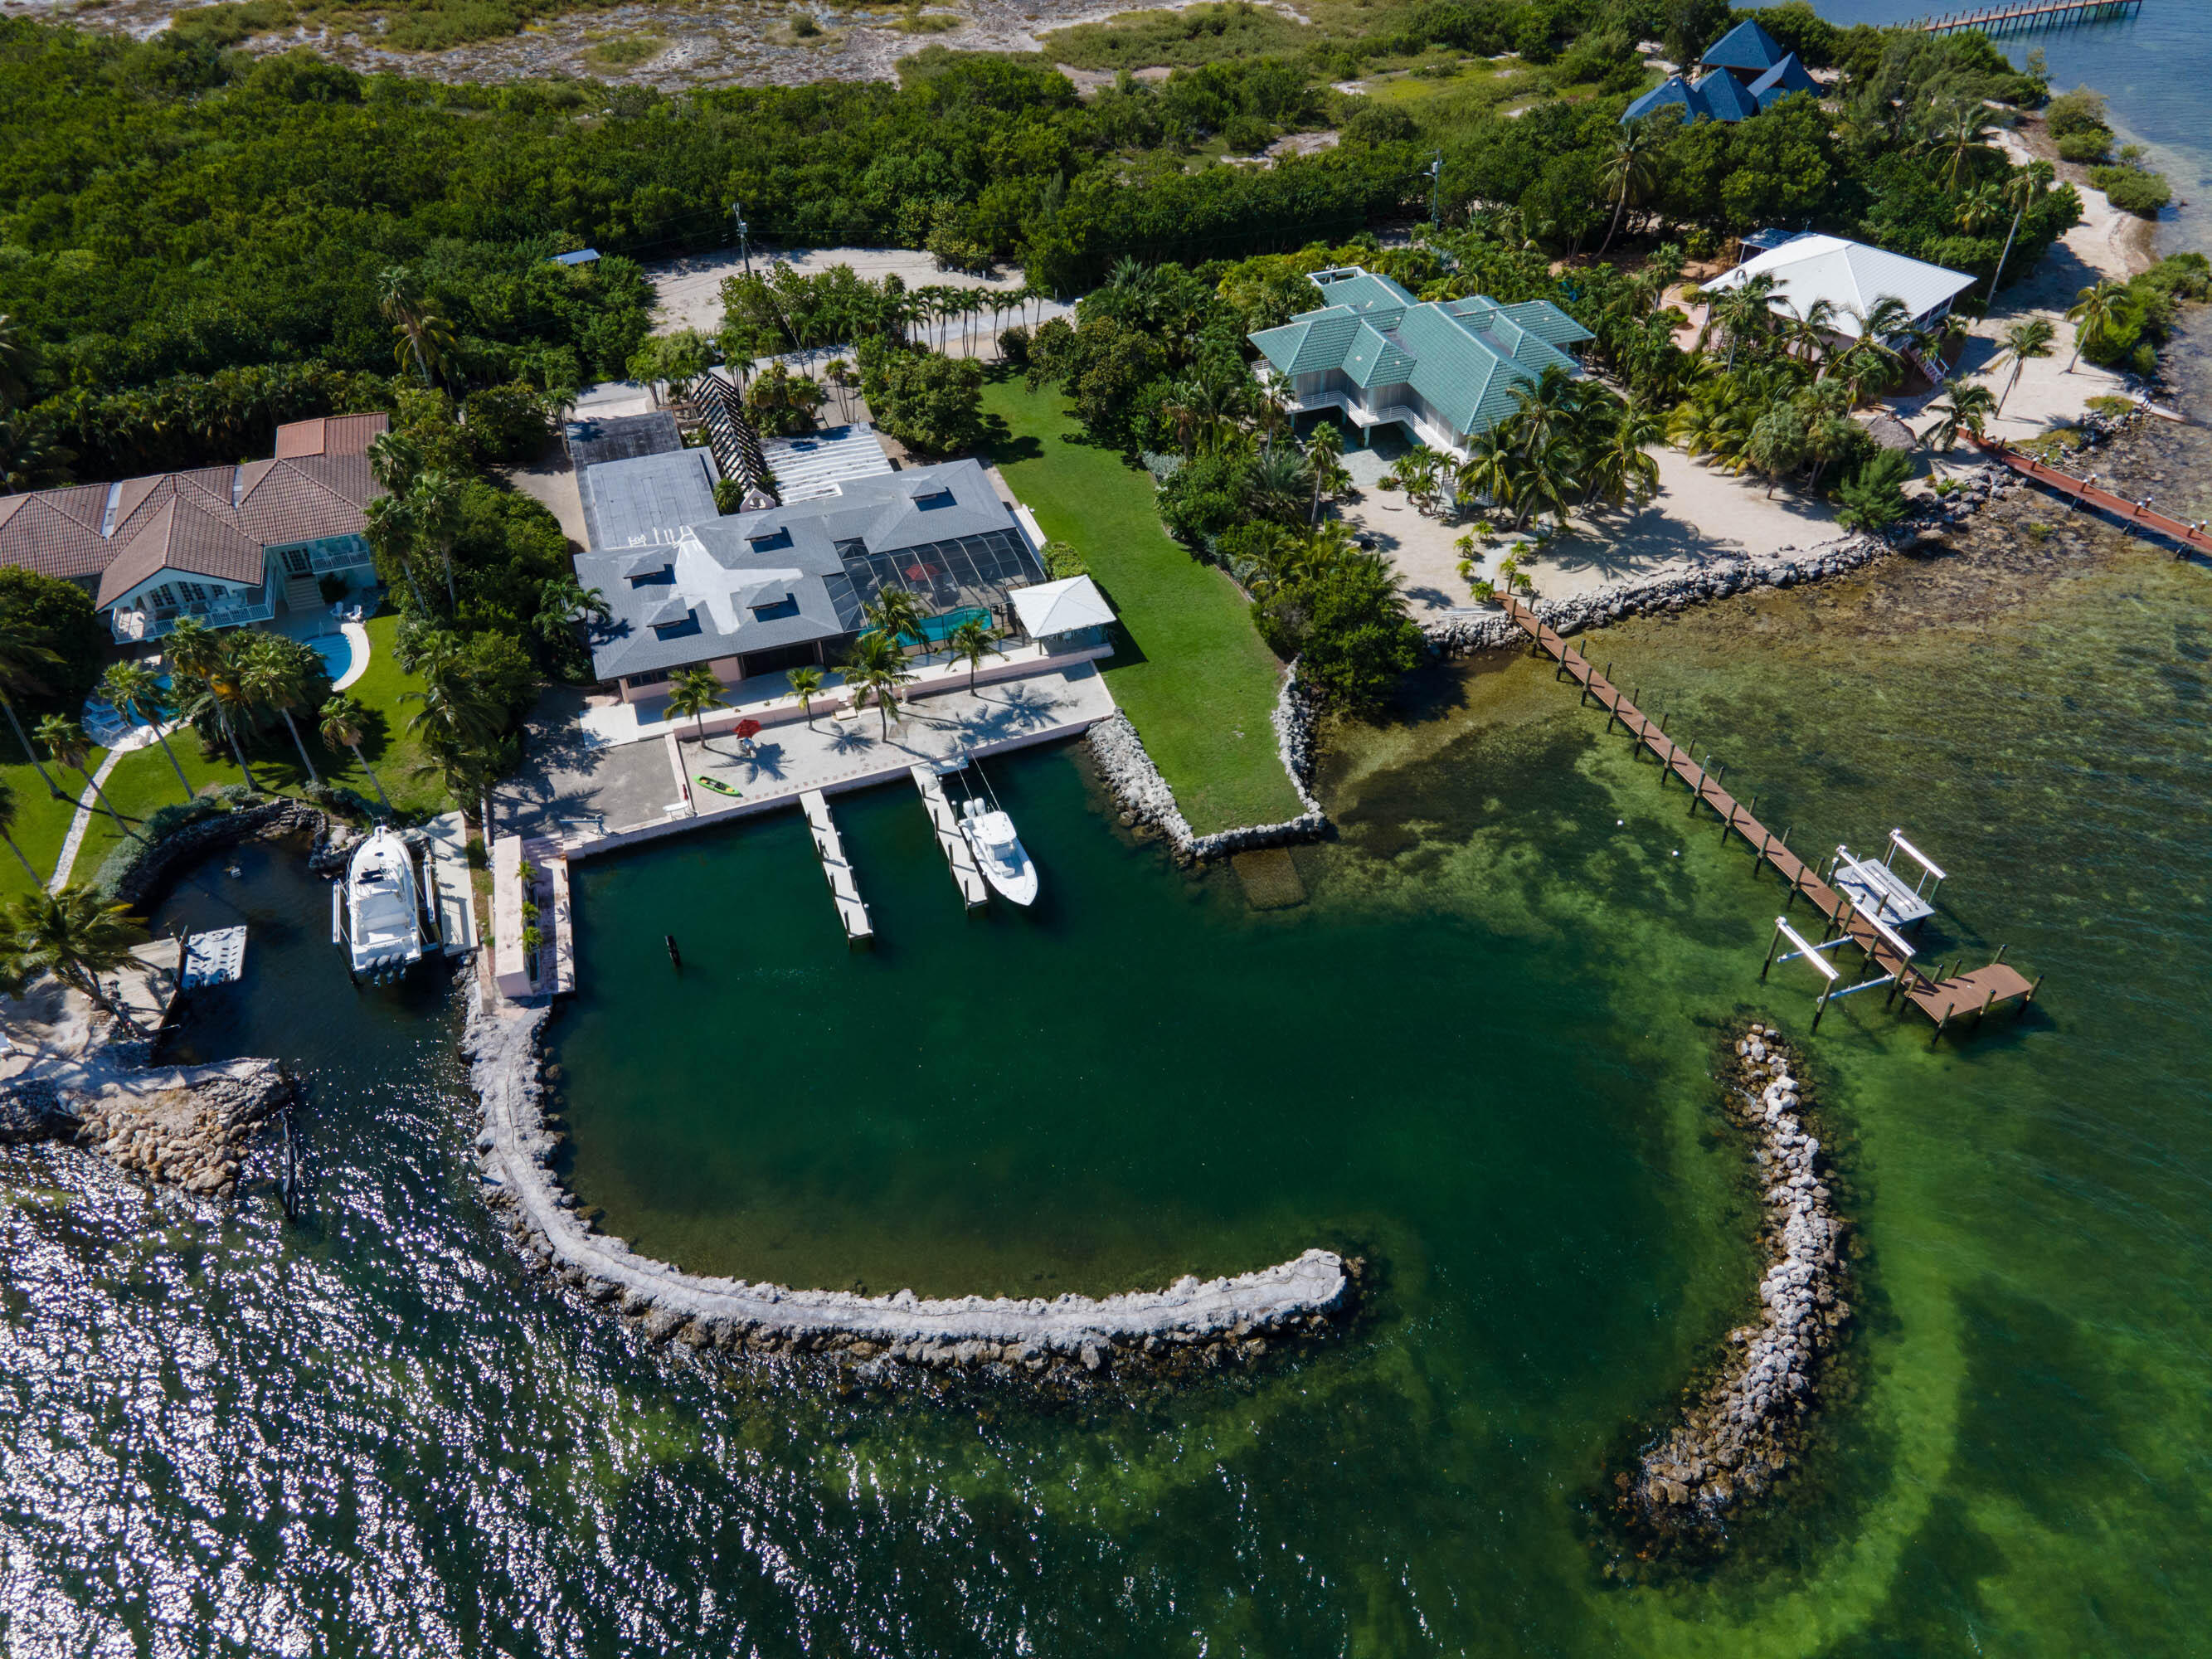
(1189, 1326)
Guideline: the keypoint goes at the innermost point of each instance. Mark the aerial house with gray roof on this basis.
(1443, 369)
(757, 593)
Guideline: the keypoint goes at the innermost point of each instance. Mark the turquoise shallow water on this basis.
(2150, 66)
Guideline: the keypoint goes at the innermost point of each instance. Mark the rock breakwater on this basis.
(1739, 1434)
(1145, 798)
(186, 1127)
(1190, 1326)
(1461, 633)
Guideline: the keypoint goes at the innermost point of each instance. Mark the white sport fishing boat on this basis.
(376, 912)
(999, 850)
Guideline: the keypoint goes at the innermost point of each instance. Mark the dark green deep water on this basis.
(1477, 1055)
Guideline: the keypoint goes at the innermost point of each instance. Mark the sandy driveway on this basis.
(689, 291)
(1698, 515)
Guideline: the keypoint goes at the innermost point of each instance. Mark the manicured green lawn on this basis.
(1189, 667)
(144, 780)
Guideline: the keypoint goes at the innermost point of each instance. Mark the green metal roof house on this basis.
(1443, 369)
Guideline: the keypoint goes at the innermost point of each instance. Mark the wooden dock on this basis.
(834, 865)
(959, 857)
(2134, 516)
(1883, 948)
(2031, 15)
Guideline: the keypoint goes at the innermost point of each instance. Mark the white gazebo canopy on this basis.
(1060, 607)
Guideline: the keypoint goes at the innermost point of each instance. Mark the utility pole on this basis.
(1435, 190)
(744, 251)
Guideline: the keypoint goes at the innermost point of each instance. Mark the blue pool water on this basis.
(337, 653)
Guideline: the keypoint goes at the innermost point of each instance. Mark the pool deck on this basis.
(584, 797)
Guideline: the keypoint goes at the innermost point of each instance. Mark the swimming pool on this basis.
(337, 653)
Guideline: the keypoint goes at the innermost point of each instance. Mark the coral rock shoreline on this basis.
(185, 1127)
(1191, 1325)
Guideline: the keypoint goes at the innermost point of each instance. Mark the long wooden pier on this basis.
(1940, 998)
(2133, 515)
(2032, 14)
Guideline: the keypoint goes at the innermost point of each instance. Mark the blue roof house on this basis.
(1746, 71)
(1443, 369)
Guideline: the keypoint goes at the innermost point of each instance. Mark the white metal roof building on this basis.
(1850, 277)
(1066, 606)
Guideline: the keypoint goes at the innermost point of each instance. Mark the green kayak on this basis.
(716, 785)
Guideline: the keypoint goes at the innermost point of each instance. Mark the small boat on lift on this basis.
(999, 850)
(376, 912)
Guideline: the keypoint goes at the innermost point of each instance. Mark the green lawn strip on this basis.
(143, 781)
(1200, 684)
(41, 822)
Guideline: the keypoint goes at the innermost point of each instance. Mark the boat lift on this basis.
(1808, 952)
(1878, 891)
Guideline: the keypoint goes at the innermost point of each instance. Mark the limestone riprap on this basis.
(1191, 1321)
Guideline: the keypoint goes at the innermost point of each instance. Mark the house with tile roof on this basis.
(225, 544)
(1442, 369)
(1745, 71)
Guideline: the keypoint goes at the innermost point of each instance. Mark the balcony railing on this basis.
(132, 626)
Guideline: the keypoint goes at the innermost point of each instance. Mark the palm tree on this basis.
(66, 742)
(1627, 170)
(433, 506)
(1966, 408)
(343, 725)
(1625, 470)
(1275, 488)
(272, 674)
(1324, 450)
(132, 689)
(227, 697)
(2021, 191)
(2092, 314)
(76, 938)
(1742, 310)
(878, 668)
(805, 684)
(391, 531)
(1489, 471)
(420, 333)
(972, 642)
(13, 356)
(1961, 130)
(693, 691)
(7, 831)
(563, 602)
(896, 615)
(1982, 206)
(2023, 341)
(22, 654)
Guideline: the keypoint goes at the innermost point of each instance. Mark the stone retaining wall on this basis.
(1189, 1326)
(1460, 633)
(272, 818)
(1145, 798)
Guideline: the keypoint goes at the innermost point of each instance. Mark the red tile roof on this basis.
(329, 434)
(190, 541)
(202, 519)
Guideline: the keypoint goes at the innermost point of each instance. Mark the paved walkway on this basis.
(582, 792)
